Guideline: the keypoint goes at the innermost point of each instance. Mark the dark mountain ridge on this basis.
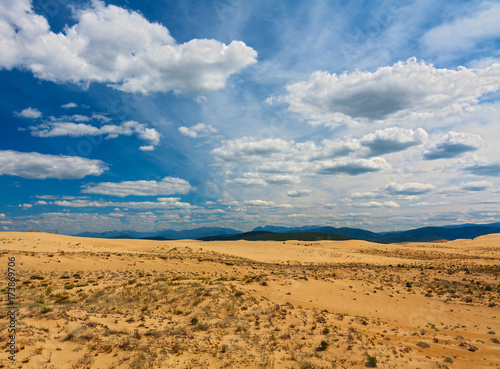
(310, 233)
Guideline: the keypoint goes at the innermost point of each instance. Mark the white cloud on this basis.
(29, 113)
(362, 195)
(33, 165)
(476, 186)
(394, 139)
(376, 204)
(413, 188)
(264, 203)
(2, 216)
(464, 33)
(405, 90)
(299, 193)
(247, 149)
(430, 204)
(147, 148)
(162, 203)
(248, 179)
(454, 144)
(25, 206)
(484, 169)
(198, 130)
(69, 105)
(167, 186)
(353, 166)
(276, 150)
(281, 179)
(55, 197)
(128, 128)
(112, 45)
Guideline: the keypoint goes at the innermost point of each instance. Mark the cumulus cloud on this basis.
(167, 186)
(248, 149)
(2, 216)
(198, 130)
(29, 113)
(365, 195)
(476, 186)
(248, 179)
(353, 167)
(71, 129)
(454, 144)
(404, 90)
(276, 150)
(464, 33)
(429, 204)
(56, 197)
(274, 155)
(112, 45)
(413, 188)
(33, 165)
(480, 169)
(376, 204)
(69, 105)
(162, 203)
(264, 203)
(252, 179)
(282, 179)
(394, 139)
(299, 193)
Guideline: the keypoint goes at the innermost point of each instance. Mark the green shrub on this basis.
(372, 360)
(423, 344)
(323, 346)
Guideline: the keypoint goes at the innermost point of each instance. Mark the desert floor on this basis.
(96, 303)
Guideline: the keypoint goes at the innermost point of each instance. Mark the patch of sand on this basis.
(99, 303)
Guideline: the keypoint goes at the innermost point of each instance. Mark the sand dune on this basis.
(97, 303)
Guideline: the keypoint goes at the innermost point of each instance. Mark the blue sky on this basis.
(150, 115)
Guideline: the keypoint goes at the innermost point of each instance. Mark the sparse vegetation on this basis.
(372, 361)
(141, 317)
(423, 344)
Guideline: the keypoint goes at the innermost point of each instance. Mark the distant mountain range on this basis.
(310, 233)
(276, 236)
(168, 234)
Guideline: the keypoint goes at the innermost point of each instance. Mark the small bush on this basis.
(423, 344)
(194, 321)
(323, 346)
(45, 310)
(448, 359)
(372, 360)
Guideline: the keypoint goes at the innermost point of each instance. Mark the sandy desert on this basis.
(106, 303)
